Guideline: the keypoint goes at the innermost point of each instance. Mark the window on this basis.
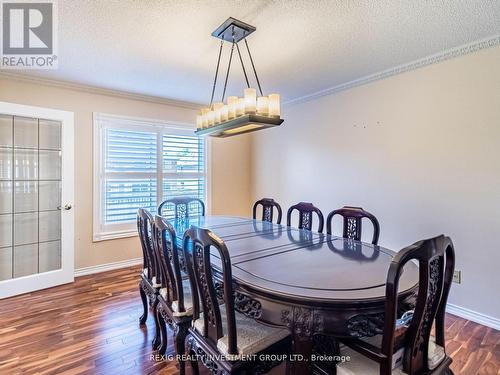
(140, 163)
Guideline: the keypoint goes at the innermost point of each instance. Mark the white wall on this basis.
(421, 150)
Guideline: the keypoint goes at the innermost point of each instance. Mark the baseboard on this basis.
(107, 267)
(474, 316)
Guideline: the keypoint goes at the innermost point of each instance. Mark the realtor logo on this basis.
(28, 34)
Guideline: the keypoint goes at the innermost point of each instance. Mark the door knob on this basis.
(66, 207)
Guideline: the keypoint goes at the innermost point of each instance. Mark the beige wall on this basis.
(421, 150)
(230, 160)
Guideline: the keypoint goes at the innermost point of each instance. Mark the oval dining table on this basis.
(312, 283)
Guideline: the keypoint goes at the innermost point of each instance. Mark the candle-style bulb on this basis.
(263, 105)
(232, 102)
(217, 111)
(250, 100)
(204, 114)
(274, 105)
(240, 107)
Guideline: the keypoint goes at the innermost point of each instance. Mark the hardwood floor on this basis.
(91, 327)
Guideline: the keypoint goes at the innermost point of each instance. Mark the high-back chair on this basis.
(182, 207)
(268, 206)
(306, 211)
(174, 299)
(148, 286)
(220, 333)
(423, 354)
(353, 223)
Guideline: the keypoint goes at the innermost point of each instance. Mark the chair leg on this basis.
(194, 365)
(144, 298)
(157, 339)
(180, 338)
(163, 333)
(189, 350)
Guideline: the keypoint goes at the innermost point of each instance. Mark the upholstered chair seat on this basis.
(359, 364)
(188, 300)
(252, 336)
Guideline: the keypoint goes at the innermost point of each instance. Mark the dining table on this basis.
(317, 285)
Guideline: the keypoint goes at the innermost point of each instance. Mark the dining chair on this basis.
(306, 211)
(174, 306)
(221, 337)
(148, 285)
(422, 353)
(353, 217)
(182, 207)
(268, 205)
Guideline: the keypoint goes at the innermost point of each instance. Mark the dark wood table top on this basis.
(299, 265)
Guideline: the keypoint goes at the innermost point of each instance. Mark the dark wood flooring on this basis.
(91, 327)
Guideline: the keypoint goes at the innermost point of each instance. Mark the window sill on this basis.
(106, 236)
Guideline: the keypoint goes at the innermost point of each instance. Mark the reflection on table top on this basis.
(299, 263)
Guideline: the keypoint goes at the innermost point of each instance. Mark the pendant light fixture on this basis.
(239, 114)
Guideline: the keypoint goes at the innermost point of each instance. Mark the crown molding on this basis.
(98, 90)
(416, 64)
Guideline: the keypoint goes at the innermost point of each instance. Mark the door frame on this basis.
(65, 274)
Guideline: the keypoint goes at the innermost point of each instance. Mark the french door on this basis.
(36, 198)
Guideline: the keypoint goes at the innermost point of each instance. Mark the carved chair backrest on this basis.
(197, 246)
(168, 259)
(436, 260)
(144, 228)
(268, 205)
(182, 207)
(352, 222)
(306, 211)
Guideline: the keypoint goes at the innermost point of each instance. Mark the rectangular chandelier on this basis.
(238, 115)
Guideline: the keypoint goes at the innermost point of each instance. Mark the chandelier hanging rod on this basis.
(216, 72)
(253, 66)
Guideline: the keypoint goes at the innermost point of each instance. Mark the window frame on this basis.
(101, 121)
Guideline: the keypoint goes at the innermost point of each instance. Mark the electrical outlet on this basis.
(457, 276)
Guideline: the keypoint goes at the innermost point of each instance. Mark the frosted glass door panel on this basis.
(25, 229)
(49, 195)
(25, 260)
(5, 197)
(30, 196)
(50, 135)
(5, 263)
(26, 196)
(25, 132)
(50, 165)
(5, 230)
(50, 256)
(5, 163)
(25, 164)
(50, 226)
(6, 128)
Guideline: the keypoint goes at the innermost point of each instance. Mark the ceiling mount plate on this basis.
(241, 30)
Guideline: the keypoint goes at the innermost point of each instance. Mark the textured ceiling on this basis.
(164, 48)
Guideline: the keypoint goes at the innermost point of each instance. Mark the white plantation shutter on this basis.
(130, 174)
(140, 164)
(183, 169)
